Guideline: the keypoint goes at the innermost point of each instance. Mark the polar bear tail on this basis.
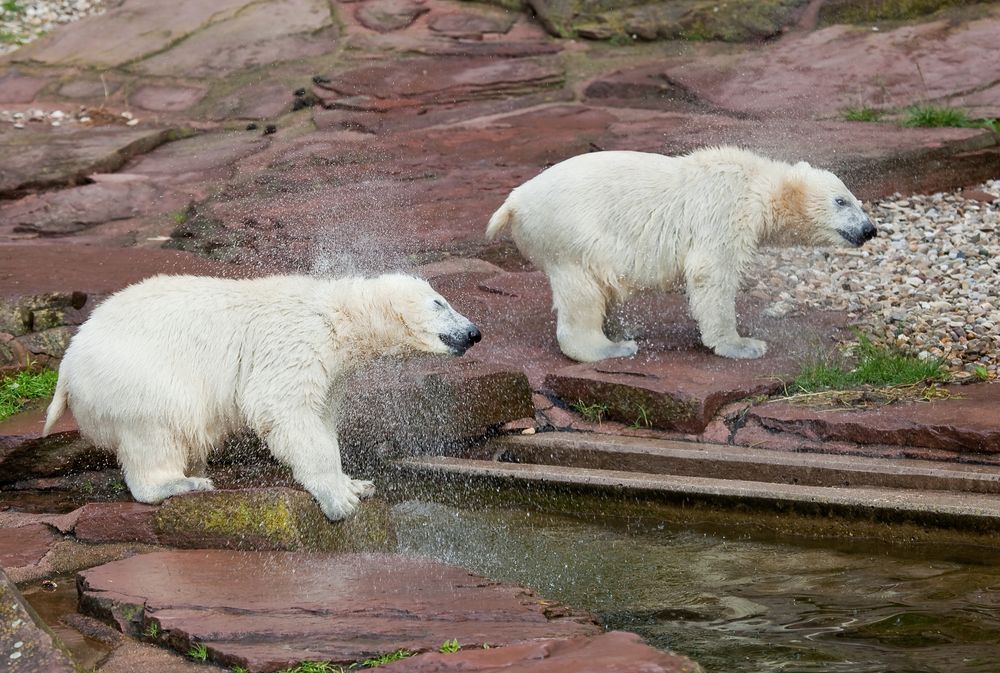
(57, 407)
(499, 221)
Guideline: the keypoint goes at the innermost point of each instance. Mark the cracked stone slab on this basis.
(32, 160)
(132, 31)
(428, 81)
(968, 423)
(824, 71)
(258, 34)
(340, 608)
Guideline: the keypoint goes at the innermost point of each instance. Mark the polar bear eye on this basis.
(438, 303)
(841, 201)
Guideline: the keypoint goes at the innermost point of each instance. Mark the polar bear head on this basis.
(814, 207)
(415, 318)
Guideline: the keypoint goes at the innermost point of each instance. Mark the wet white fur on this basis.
(164, 370)
(605, 224)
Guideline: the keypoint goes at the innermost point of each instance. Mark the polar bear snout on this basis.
(462, 340)
(857, 236)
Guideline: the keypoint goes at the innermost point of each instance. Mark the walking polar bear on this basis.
(606, 224)
(164, 370)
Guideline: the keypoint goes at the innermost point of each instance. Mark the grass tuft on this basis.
(152, 629)
(878, 366)
(198, 652)
(449, 646)
(26, 385)
(591, 412)
(937, 116)
(862, 113)
(384, 659)
(313, 667)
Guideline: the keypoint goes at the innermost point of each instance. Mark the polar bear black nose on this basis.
(868, 231)
(475, 336)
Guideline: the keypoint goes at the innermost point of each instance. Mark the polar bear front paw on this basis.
(742, 348)
(336, 499)
(362, 488)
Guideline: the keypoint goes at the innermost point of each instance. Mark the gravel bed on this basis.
(22, 21)
(929, 283)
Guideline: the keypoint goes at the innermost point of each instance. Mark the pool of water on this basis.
(736, 604)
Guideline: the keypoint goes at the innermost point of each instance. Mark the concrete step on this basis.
(974, 512)
(718, 461)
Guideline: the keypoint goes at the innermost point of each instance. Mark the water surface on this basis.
(737, 605)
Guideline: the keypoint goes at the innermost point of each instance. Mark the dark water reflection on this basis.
(737, 605)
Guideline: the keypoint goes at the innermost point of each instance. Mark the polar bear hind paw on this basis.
(742, 348)
(180, 487)
(621, 349)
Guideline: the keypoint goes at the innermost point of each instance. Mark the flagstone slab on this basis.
(62, 157)
(128, 32)
(428, 81)
(969, 423)
(612, 652)
(823, 72)
(259, 34)
(341, 608)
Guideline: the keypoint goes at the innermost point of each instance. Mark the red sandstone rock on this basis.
(331, 608)
(388, 15)
(468, 25)
(426, 81)
(969, 423)
(18, 88)
(167, 98)
(25, 545)
(116, 522)
(612, 652)
(61, 157)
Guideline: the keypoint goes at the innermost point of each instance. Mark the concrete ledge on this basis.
(974, 513)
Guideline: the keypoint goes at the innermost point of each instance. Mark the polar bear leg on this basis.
(712, 298)
(307, 445)
(153, 463)
(580, 306)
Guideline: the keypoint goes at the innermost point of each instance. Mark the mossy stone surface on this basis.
(279, 519)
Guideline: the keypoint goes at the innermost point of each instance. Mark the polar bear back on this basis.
(634, 217)
(183, 348)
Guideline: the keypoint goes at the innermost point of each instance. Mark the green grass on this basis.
(26, 385)
(239, 669)
(152, 630)
(313, 667)
(198, 652)
(592, 412)
(981, 373)
(642, 418)
(876, 366)
(862, 113)
(449, 646)
(10, 38)
(11, 7)
(938, 116)
(384, 659)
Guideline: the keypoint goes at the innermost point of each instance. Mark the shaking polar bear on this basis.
(164, 370)
(605, 224)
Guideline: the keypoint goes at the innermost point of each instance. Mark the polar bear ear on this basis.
(803, 165)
